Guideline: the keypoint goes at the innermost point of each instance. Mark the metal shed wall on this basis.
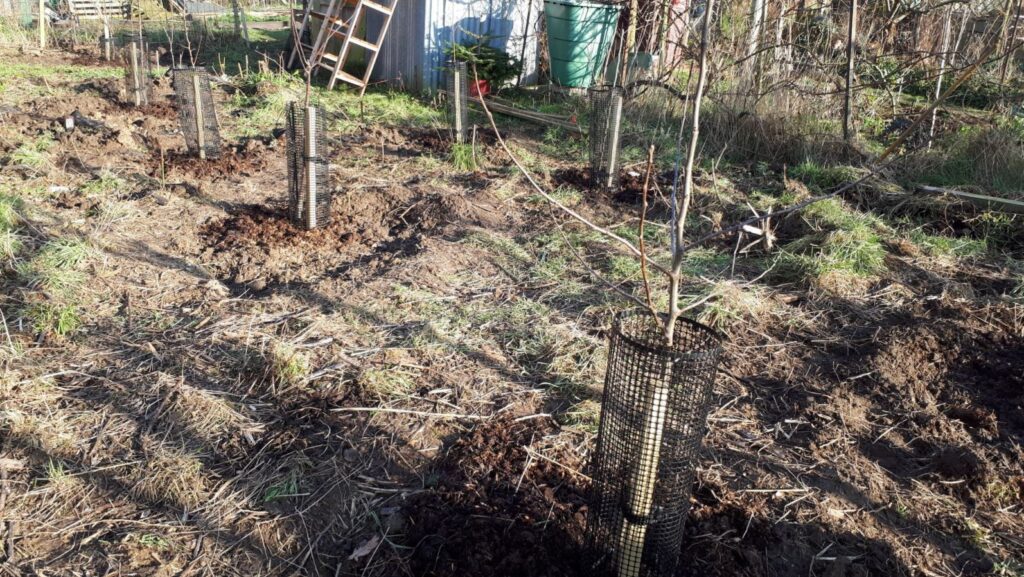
(412, 56)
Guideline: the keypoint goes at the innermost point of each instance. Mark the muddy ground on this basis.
(246, 398)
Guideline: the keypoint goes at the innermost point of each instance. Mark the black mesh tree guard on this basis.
(135, 53)
(196, 112)
(605, 134)
(309, 192)
(653, 418)
(458, 100)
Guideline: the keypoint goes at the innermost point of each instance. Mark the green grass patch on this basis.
(20, 70)
(939, 245)
(386, 382)
(839, 239)
(706, 262)
(286, 487)
(53, 318)
(54, 269)
(11, 209)
(832, 213)
(33, 154)
(103, 185)
(463, 157)
(559, 143)
(821, 177)
(286, 365)
(858, 251)
(11, 244)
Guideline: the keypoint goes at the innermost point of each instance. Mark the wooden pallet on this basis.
(91, 9)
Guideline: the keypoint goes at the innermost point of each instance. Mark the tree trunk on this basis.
(851, 51)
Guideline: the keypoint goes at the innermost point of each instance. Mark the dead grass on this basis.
(285, 365)
(980, 158)
(169, 475)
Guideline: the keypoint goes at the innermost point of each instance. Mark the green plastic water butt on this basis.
(579, 36)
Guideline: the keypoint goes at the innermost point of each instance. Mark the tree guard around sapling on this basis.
(653, 418)
(196, 112)
(605, 135)
(309, 191)
(136, 69)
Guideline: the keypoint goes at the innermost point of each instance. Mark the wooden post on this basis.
(641, 497)
(851, 50)
(457, 104)
(200, 123)
(136, 85)
(311, 167)
(612, 157)
(42, 24)
(106, 40)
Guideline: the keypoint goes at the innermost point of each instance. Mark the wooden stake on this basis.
(106, 40)
(458, 103)
(311, 167)
(613, 138)
(200, 124)
(42, 24)
(136, 85)
(641, 498)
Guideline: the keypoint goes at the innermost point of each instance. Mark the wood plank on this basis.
(982, 201)
(364, 44)
(342, 75)
(537, 117)
(378, 7)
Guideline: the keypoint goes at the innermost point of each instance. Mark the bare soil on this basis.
(873, 430)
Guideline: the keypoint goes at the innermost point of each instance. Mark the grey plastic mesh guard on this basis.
(135, 54)
(196, 112)
(605, 126)
(309, 192)
(654, 408)
(458, 100)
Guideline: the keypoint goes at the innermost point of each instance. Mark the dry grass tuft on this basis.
(732, 303)
(50, 434)
(285, 365)
(209, 416)
(169, 475)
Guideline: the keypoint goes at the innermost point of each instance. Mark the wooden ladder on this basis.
(301, 27)
(347, 34)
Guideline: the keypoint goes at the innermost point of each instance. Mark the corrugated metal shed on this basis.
(413, 56)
